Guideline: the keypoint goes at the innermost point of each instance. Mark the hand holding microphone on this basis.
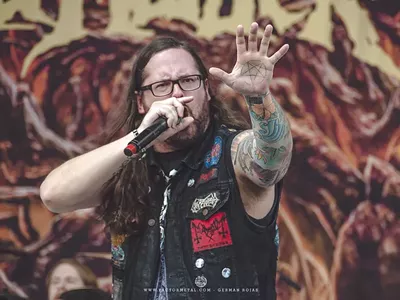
(164, 119)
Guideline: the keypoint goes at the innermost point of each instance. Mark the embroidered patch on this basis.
(205, 177)
(209, 201)
(118, 257)
(211, 233)
(212, 157)
(117, 253)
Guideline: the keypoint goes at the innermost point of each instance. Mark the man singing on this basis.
(195, 216)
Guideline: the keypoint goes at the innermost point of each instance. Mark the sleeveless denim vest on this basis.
(213, 249)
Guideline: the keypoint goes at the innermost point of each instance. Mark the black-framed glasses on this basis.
(165, 87)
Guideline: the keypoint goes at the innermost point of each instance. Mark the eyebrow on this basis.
(162, 80)
(169, 78)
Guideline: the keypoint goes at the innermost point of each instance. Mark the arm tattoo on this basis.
(243, 157)
(264, 153)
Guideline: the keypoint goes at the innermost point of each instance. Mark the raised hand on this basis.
(252, 73)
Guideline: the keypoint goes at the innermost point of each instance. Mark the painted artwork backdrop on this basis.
(65, 64)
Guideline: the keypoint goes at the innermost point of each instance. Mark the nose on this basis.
(177, 91)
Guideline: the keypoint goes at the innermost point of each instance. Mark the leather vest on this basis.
(213, 249)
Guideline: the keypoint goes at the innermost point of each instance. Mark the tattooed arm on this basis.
(263, 154)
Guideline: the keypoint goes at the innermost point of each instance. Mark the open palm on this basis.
(252, 73)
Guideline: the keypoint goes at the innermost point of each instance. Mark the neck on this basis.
(165, 148)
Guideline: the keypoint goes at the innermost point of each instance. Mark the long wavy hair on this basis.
(125, 199)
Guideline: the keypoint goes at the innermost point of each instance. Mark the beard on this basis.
(191, 134)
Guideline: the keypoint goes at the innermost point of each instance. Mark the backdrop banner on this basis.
(64, 65)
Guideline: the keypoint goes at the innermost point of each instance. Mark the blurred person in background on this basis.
(85, 294)
(195, 218)
(69, 274)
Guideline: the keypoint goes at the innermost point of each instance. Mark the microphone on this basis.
(152, 132)
(146, 136)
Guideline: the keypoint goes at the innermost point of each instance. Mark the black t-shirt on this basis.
(171, 160)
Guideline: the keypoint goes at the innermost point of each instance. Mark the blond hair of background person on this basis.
(69, 274)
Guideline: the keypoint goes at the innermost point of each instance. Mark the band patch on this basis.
(117, 253)
(213, 156)
(210, 201)
(118, 257)
(205, 177)
(211, 233)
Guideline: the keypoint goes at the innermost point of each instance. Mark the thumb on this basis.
(219, 74)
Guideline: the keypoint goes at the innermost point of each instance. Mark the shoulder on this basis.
(230, 133)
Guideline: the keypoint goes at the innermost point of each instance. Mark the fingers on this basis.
(178, 103)
(180, 109)
(253, 37)
(265, 40)
(185, 122)
(240, 41)
(172, 100)
(252, 41)
(185, 100)
(219, 74)
(279, 54)
(168, 112)
(172, 109)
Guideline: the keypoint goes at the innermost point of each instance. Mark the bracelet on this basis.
(259, 99)
(142, 153)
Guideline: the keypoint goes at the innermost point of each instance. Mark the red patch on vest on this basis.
(207, 176)
(211, 233)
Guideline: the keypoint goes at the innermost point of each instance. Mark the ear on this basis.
(139, 101)
(207, 87)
